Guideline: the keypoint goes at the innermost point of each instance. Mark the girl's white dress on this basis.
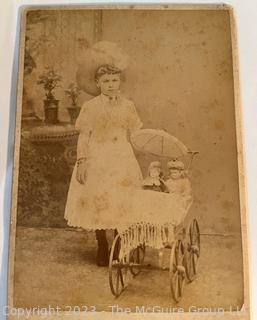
(112, 169)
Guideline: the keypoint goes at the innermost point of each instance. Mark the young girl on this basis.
(106, 168)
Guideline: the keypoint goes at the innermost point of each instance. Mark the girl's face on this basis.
(154, 172)
(109, 84)
(175, 173)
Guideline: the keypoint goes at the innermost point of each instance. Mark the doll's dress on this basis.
(155, 184)
(180, 188)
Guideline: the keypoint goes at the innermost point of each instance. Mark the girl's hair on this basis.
(106, 68)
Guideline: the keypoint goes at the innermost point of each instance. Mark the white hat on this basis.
(155, 164)
(101, 53)
(176, 164)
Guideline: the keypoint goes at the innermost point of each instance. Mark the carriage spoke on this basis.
(126, 276)
(195, 262)
(121, 277)
(181, 284)
(176, 284)
(136, 257)
(189, 262)
(117, 281)
(191, 258)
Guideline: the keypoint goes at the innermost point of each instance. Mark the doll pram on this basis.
(161, 225)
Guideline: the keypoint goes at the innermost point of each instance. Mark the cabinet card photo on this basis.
(128, 194)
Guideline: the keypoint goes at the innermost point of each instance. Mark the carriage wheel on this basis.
(118, 270)
(177, 270)
(137, 256)
(193, 250)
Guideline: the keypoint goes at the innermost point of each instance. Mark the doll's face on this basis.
(175, 173)
(109, 84)
(154, 172)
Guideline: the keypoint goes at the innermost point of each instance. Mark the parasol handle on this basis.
(192, 154)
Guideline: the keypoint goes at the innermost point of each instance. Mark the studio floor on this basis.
(56, 267)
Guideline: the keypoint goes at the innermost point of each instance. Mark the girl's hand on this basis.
(81, 171)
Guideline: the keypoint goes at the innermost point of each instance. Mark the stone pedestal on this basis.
(47, 158)
(56, 142)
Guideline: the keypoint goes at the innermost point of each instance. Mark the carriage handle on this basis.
(192, 154)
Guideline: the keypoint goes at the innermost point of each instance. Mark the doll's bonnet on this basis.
(176, 164)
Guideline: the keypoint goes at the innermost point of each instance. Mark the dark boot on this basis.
(102, 258)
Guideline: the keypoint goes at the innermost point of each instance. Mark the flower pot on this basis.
(73, 113)
(51, 111)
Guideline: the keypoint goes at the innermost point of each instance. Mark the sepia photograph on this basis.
(128, 189)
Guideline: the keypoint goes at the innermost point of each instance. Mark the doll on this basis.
(154, 180)
(178, 183)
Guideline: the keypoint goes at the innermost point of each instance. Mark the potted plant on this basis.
(73, 93)
(50, 80)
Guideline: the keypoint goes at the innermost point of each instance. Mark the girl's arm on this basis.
(84, 126)
(82, 145)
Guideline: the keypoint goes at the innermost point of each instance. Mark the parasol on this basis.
(158, 143)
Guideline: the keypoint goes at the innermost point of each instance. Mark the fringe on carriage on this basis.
(148, 234)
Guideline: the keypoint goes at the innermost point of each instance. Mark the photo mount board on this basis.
(245, 311)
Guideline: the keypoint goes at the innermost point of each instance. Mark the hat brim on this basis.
(175, 168)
